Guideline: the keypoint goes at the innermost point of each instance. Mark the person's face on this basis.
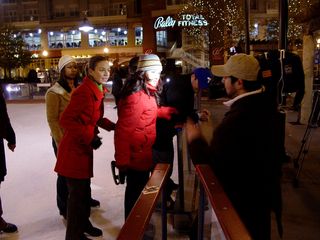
(101, 73)
(153, 77)
(230, 87)
(71, 70)
(194, 82)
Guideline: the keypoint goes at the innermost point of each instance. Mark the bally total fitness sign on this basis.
(187, 20)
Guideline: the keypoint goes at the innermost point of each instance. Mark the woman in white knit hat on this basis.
(57, 99)
(136, 127)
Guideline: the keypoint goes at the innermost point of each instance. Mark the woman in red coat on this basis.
(75, 152)
(136, 126)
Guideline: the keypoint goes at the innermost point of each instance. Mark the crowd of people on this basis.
(151, 109)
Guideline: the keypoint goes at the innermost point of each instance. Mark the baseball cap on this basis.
(204, 76)
(148, 62)
(64, 60)
(242, 66)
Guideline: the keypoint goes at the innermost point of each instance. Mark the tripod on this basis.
(306, 140)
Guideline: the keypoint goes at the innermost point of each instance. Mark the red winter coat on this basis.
(79, 121)
(135, 131)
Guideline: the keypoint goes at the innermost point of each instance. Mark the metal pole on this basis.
(283, 24)
(201, 213)
(247, 27)
(180, 169)
(164, 213)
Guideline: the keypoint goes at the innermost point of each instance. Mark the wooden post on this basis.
(308, 62)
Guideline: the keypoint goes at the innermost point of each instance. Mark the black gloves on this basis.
(120, 177)
(96, 142)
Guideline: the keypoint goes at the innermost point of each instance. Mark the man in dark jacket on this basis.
(7, 133)
(177, 92)
(244, 149)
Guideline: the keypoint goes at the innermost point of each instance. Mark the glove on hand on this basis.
(121, 177)
(166, 112)
(106, 124)
(96, 142)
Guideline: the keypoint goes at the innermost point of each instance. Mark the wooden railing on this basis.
(140, 215)
(230, 222)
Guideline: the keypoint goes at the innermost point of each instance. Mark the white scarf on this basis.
(230, 102)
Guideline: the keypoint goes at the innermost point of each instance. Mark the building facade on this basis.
(50, 29)
(121, 29)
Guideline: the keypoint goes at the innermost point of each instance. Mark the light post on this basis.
(283, 16)
(318, 60)
(85, 25)
(247, 25)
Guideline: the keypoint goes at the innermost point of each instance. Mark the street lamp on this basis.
(45, 53)
(85, 25)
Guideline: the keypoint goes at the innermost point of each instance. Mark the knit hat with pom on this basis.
(149, 62)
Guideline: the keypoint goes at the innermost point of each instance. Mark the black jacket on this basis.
(177, 92)
(244, 155)
(6, 132)
(278, 82)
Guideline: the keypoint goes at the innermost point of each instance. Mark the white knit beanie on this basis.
(149, 62)
(64, 60)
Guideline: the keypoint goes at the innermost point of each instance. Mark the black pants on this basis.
(62, 189)
(2, 221)
(62, 195)
(258, 224)
(136, 181)
(1, 212)
(3, 172)
(166, 156)
(78, 208)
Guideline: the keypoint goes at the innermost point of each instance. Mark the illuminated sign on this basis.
(187, 20)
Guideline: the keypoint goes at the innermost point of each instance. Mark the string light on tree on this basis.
(225, 13)
(298, 7)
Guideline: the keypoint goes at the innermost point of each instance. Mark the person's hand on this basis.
(112, 126)
(106, 124)
(96, 142)
(122, 167)
(166, 112)
(204, 115)
(11, 146)
(192, 130)
(178, 125)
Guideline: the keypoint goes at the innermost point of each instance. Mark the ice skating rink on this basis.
(29, 191)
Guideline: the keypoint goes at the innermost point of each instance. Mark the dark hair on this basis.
(133, 63)
(63, 80)
(248, 85)
(136, 83)
(94, 61)
(33, 76)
